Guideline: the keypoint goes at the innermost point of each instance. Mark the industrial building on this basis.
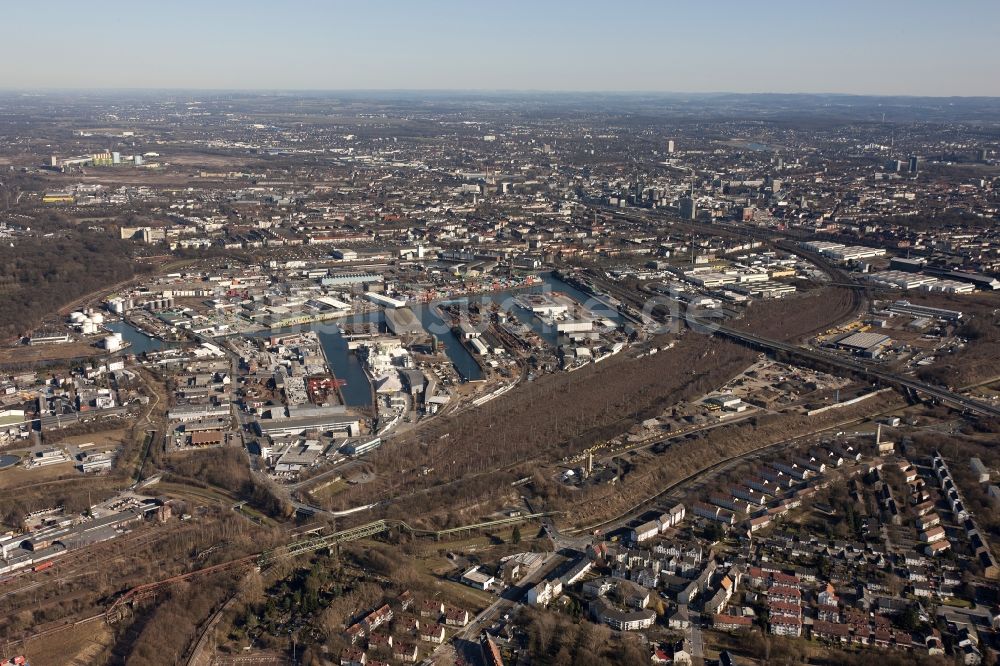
(866, 344)
(401, 321)
(322, 422)
(18, 551)
(477, 578)
(841, 252)
(358, 447)
(347, 279)
(386, 301)
(911, 310)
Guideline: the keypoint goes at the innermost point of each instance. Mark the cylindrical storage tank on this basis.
(77, 317)
(97, 318)
(89, 328)
(112, 343)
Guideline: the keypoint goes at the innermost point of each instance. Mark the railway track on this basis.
(672, 491)
(52, 629)
(847, 365)
(78, 563)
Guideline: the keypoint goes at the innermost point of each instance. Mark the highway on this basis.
(841, 278)
(871, 372)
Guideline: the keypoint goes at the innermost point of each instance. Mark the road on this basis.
(677, 435)
(560, 541)
(870, 371)
(694, 635)
(466, 641)
(676, 492)
(837, 275)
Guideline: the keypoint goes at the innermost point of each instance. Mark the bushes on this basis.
(653, 473)
(173, 625)
(556, 640)
(796, 316)
(44, 274)
(474, 456)
(226, 468)
(75, 494)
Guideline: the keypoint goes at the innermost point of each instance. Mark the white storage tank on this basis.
(97, 318)
(77, 317)
(113, 342)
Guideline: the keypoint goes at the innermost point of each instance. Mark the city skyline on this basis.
(893, 48)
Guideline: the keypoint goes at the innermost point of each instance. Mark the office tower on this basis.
(914, 161)
(688, 208)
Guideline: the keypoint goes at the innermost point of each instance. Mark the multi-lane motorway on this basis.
(838, 276)
(871, 371)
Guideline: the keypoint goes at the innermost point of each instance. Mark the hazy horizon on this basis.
(919, 48)
(477, 91)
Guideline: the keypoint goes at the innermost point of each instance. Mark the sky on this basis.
(905, 47)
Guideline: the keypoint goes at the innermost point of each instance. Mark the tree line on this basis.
(40, 274)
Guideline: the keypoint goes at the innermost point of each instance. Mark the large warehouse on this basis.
(402, 321)
(864, 344)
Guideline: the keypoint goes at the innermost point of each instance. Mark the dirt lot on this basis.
(18, 476)
(26, 354)
(226, 162)
(452, 592)
(81, 645)
(98, 439)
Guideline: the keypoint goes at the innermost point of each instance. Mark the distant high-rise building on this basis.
(670, 146)
(689, 209)
(914, 163)
(981, 154)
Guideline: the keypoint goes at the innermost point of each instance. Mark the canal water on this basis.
(460, 356)
(139, 341)
(357, 390)
(347, 366)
